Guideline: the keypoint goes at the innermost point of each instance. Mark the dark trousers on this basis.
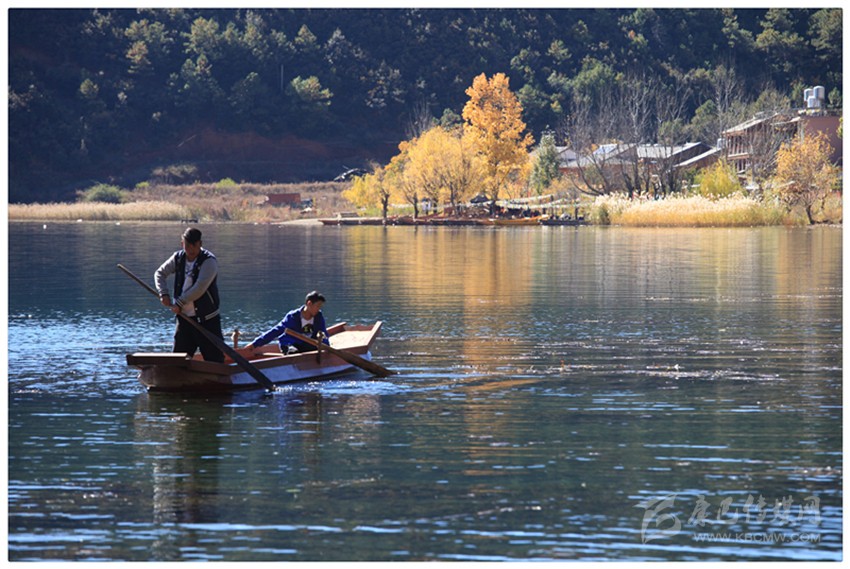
(188, 339)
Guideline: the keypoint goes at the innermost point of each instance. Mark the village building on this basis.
(750, 147)
(751, 144)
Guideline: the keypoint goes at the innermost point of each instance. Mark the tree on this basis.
(424, 155)
(310, 92)
(441, 165)
(371, 189)
(495, 128)
(545, 169)
(310, 102)
(825, 30)
(782, 47)
(804, 173)
(723, 108)
(402, 183)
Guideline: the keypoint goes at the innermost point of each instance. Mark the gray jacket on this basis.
(204, 290)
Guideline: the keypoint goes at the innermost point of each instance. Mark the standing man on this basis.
(307, 320)
(195, 295)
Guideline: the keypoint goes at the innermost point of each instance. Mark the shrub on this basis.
(718, 181)
(103, 193)
(226, 183)
(174, 173)
(605, 209)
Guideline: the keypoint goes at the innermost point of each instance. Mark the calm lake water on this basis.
(563, 394)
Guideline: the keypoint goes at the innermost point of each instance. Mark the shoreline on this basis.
(315, 222)
(614, 210)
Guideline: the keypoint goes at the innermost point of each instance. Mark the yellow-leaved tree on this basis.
(494, 126)
(403, 184)
(370, 190)
(443, 166)
(423, 158)
(461, 169)
(804, 174)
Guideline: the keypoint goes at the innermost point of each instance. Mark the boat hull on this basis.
(179, 373)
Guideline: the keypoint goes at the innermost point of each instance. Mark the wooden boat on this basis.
(166, 371)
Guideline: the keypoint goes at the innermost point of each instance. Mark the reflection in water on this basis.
(183, 466)
(181, 443)
(552, 381)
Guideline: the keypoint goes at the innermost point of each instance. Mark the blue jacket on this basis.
(292, 320)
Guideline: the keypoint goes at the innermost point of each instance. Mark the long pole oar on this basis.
(217, 342)
(353, 359)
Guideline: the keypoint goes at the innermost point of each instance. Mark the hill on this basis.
(289, 95)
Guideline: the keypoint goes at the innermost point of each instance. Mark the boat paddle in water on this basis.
(351, 358)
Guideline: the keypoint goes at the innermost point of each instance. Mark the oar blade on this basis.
(353, 359)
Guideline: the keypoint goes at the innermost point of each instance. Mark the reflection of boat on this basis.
(165, 371)
(561, 221)
(458, 221)
(534, 220)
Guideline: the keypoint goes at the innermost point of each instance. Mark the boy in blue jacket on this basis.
(307, 320)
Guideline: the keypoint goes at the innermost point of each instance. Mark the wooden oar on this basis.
(353, 359)
(258, 376)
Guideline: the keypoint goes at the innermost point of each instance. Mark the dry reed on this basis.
(693, 211)
(98, 211)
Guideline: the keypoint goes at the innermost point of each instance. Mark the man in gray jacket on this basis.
(195, 295)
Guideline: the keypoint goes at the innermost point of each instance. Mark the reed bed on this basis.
(98, 211)
(691, 211)
(222, 201)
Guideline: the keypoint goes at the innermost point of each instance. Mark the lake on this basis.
(563, 393)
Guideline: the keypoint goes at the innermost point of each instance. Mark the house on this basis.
(752, 145)
(700, 161)
(617, 162)
(810, 124)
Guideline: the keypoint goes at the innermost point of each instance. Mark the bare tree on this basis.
(590, 129)
(421, 120)
(727, 95)
(634, 115)
(671, 100)
(628, 140)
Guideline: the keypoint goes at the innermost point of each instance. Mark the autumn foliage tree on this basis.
(444, 165)
(494, 126)
(371, 189)
(804, 173)
(439, 165)
(402, 179)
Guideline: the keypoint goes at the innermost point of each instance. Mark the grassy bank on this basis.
(223, 201)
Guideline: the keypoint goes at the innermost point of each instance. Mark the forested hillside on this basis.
(290, 95)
